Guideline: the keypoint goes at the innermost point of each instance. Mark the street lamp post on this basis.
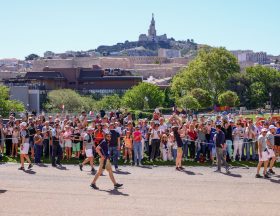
(270, 98)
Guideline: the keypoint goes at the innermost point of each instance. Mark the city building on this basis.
(169, 53)
(273, 65)
(36, 84)
(244, 56)
(152, 33)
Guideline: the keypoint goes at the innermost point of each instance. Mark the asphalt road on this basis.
(146, 191)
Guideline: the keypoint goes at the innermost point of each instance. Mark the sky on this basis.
(35, 26)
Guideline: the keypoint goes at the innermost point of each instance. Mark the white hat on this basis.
(23, 124)
(90, 129)
(272, 127)
(264, 130)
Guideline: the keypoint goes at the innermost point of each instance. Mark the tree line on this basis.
(212, 78)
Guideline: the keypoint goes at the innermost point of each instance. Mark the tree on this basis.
(209, 71)
(203, 97)
(71, 100)
(228, 98)
(144, 95)
(31, 57)
(240, 83)
(168, 98)
(188, 102)
(7, 105)
(258, 94)
(112, 102)
(263, 80)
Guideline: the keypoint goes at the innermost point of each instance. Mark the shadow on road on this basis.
(146, 167)
(121, 172)
(191, 172)
(31, 172)
(61, 168)
(233, 175)
(42, 165)
(3, 191)
(243, 166)
(275, 181)
(115, 192)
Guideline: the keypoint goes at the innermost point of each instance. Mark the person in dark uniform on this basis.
(104, 162)
(220, 147)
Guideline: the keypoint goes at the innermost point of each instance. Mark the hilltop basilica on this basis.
(152, 33)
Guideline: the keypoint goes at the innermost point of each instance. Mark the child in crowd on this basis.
(15, 140)
(165, 148)
(128, 147)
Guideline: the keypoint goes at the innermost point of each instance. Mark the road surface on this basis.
(147, 191)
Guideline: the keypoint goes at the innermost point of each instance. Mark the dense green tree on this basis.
(240, 83)
(168, 98)
(31, 57)
(112, 102)
(143, 96)
(263, 80)
(202, 96)
(209, 71)
(228, 98)
(6, 105)
(188, 102)
(258, 94)
(71, 100)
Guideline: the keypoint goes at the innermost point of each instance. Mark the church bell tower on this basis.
(152, 33)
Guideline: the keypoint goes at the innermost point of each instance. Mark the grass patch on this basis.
(74, 161)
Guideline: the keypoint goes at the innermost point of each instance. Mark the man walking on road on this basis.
(263, 154)
(270, 145)
(220, 146)
(104, 162)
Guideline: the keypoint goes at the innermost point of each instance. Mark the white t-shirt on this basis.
(155, 134)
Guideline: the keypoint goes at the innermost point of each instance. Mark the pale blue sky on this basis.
(34, 26)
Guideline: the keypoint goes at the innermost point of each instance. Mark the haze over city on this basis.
(37, 26)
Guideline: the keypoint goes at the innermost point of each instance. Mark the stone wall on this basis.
(142, 65)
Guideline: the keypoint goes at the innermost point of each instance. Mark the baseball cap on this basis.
(108, 133)
(264, 130)
(272, 127)
(23, 124)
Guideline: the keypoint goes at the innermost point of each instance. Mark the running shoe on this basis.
(178, 169)
(117, 185)
(93, 186)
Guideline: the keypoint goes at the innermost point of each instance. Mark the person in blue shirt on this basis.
(104, 162)
(211, 144)
(220, 143)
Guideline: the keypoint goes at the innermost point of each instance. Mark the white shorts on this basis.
(15, 140)
(89, 153)
(271, 153)
(24, 148)
(264, 156)
(68, 143)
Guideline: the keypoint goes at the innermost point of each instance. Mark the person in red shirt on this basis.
(98, 134)
(137, 146)
(192, 136)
